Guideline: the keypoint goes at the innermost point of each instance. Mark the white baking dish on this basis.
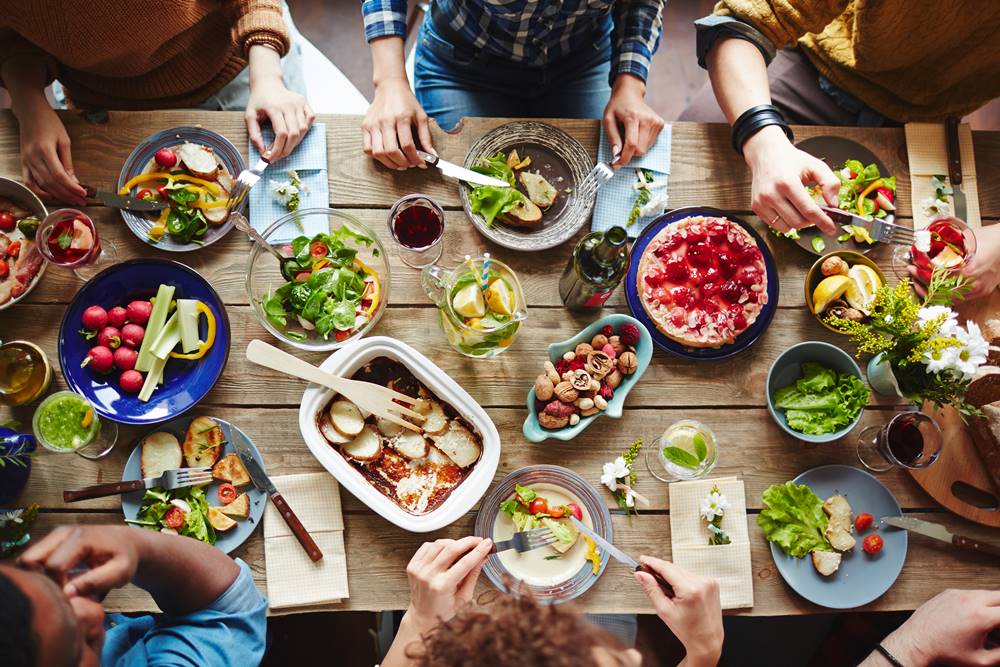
(345, 362)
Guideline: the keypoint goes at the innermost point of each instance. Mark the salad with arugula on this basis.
(183, 511)
(822, 400)
(794, 519)
(330, 292)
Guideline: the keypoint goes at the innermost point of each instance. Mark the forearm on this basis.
(265, 63)
(410, 632)
(388, 60)
(902, 648)
(24, 77)
(738, 74)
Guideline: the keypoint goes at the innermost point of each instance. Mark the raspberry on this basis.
(629, 334)
(609, 350)
(607, 393)
(557, 408)
(562, 366)
(540, 405)
(578, 363)
(608, 330)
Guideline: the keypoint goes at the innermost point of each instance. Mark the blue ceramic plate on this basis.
(143, 153)
(131, 502)
(745, 339)
(184, 382)
(861, 578)
(643, 352)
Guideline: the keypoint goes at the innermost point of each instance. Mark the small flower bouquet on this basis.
(620, 478)
(713, 508)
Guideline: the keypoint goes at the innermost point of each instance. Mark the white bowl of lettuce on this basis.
(816, 392)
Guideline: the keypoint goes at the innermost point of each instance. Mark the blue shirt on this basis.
(535, 33)
(230, 631)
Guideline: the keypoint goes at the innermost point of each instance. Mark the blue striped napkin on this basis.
(308, 160)
(616, 197)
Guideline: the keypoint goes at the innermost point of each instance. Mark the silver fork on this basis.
(598, 176)
(246, 180)
(881, 230)
(169, 480)
(526, 540)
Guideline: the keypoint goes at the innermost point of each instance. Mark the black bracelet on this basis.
(888, 656)
(755, 119)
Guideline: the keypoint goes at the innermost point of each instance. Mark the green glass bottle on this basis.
(598, 264)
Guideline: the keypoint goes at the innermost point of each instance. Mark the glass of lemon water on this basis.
(687, 450)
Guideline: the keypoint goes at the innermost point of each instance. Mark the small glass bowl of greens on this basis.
(333, 289)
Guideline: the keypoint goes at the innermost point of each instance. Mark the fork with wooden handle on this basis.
(376, 399)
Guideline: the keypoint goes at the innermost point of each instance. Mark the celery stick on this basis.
(157, 318)
(169, 336)
(187, 312)
(153, 378)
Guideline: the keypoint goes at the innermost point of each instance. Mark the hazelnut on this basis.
(599, 364)
(545, 420)
(614, 378)
(583, 349)
(584, 403)
(600, 403)
(569, 356)
(543, 388)
(616, 344)
(599, 341)
(550, 372)
(566, 392)
(574, 419)
(580, 380)
(834, 266)
(591, 411)
(627, 363)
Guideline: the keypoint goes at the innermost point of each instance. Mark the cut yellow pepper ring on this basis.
(378, 286)
(205, 345)
(157, 231)
(170, 178)
(877, 183)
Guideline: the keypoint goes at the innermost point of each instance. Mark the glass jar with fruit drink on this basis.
(480, 305)
(68, 422)
(68, 237)
(416, 223)
(946, 243)
(25, 372)
(687, 450)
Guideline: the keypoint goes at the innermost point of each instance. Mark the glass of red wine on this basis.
(952, 247)
(68, 237)
(910, 440)
(416, 223)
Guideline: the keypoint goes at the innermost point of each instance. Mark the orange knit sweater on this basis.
(144, 54)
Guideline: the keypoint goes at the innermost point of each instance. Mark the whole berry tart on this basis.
(702, 281)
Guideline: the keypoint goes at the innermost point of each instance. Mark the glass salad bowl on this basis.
(334, 288)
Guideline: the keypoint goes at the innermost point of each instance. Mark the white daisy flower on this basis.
(940, 360)
(713, 505)
(973, 352)
(613, 471)
(930, 313)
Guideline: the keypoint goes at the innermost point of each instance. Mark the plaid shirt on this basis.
(537, 33)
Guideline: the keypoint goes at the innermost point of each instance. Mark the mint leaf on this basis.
(679, 457)
(700, 447)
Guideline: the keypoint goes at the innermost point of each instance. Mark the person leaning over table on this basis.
(568, 58)
(51, 615)
(840, 62)
(441, 626)
(212, 54)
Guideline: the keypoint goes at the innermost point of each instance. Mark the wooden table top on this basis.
(727, 395)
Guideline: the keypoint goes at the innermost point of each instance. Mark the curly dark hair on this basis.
(514, 630)
(17, 638)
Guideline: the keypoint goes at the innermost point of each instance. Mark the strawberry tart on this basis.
(702, 281)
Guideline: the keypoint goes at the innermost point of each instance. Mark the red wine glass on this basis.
(416, 223)
(910, 440)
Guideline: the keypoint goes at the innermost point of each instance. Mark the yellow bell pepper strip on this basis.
(378, 286)
(157, 231)
(214, 188)
(205, 345)
(877, 183)
(209, 204)
(593, 555)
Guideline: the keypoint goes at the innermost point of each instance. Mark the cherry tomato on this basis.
(557, 512)
(7, 222)
(145, 194)
(14, 249)
(341, 335)
(174, 518)
(165, 158)
(318, 249)
(4, 269)
(863, 522)
(227, 493)
(575, 510)
(873, 544)
(538, 506)
(163, 192)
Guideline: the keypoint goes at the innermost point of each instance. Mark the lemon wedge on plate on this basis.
(864, 283)
(500, 297)
(829, 289)
(468, 301)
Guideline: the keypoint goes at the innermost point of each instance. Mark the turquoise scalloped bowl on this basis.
(643, 352)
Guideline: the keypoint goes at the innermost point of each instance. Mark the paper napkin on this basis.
(295, 583)
(729, 564)
(927, 151)
(616, 197)
(308, 160)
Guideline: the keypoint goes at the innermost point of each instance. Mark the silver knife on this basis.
(939, 532)
(955, 167)
(461, 173)
(127, 202)
(265, 486)
(621, 556)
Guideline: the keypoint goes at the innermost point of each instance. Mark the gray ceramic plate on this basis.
(22, 196)
(861, 578)
(131, 502)
(555, 155)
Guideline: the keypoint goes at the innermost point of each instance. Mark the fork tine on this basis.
(388, 416)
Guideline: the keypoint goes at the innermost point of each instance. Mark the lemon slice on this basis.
(500, 297)
(468, 301)
(830, 288)
(948, 258)
(861, 292)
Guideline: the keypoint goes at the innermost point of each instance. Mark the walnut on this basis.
(627, 363)
(599, 364)
(566, 392)
(580, 379)
(834, 266)
(616, 343)
(583, 349)
(545, 420)
(600, 403)
(846, 313)
(599, 341)
(559, 409)
(574, 419)
(550, 372)
(614, 378)
(543, 388)
(591, 411)
(584, 403)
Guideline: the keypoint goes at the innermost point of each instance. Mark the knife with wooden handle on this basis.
(955, 166)
(939, 532)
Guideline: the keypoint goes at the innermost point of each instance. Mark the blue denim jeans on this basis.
(455, 80)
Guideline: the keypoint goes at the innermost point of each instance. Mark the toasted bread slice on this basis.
(410, 444)
(826, 562)
(523, 214)
(202, 443)
(436, 420)
(199, 160)
(219, 520)
(841, 523)
(540, 191)
(330, 433)
(458, 443)
(389, 429)
(367, 446)
(238, 509)
(216, 214)
(231, 469)
(346, 418)
(160, 451)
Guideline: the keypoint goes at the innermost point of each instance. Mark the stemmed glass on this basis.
(68, 237)
(953, 245)
(910, 440)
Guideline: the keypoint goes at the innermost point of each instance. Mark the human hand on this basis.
(950, 628)
(627, 107)
(289, 113)
(443, 576)
(110, 552)
(694, 614)
(984, 269)
(780, 171)
(46, 164)
(387, 130)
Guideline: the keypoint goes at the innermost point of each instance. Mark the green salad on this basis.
(528, 511)
(184, 511)
(794, 519)
(490, 201)
(863, 190)
(822, 400)
(329, 292)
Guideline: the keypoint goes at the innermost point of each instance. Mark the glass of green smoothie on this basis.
(67, 422)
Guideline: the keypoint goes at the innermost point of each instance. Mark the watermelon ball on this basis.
(131, 382)
(132, 335)
(125, 358)
(139, 312)
(100, 359)
(117, 317)
(94, 318)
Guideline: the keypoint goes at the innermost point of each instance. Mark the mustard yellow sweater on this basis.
(112, 54)
(910, 60)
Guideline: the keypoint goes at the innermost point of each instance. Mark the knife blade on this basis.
(127, 202)
(621, 556)
(939, 532)
(461, 173)
(266, 486)
(955, 167)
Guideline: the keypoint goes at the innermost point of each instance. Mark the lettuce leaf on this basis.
(794, 519)
(490, 201)
(821, 401)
